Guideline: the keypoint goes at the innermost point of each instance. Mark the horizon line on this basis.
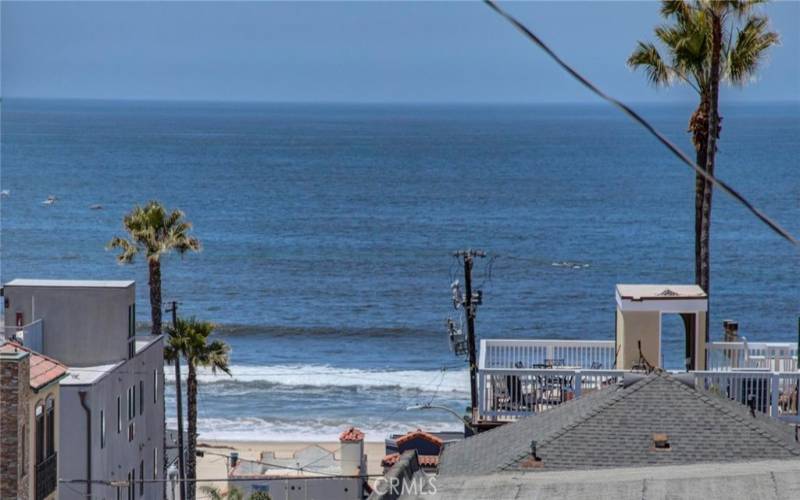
(379, 102)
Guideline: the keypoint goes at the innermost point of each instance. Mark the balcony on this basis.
(29, 335)
(46, 476)
(518, 378)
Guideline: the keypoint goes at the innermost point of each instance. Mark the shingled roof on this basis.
(615, 427)
(43, 370)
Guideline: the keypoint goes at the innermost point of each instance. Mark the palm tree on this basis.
(702, 51)
(233, 493)
(154, 231)
(188, 339)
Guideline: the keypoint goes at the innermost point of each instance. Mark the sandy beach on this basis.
(214, 466)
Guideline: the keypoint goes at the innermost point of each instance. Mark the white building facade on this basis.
(112, 401)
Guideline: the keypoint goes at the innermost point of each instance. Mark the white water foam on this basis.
(456, 380)
(257, 429)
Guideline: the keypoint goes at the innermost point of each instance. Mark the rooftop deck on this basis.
(518, 378)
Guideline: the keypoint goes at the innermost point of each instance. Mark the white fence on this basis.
(505, 394)
(773, 356)
(510, 354)
(508, 394)
(772, 393)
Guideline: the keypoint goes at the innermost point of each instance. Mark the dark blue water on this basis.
(327, 232)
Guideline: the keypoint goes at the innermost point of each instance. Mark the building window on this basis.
(119, 414)
(155, 386)
(141, 397)
(131, 330)
(155, 462)
(50, 418)
(131, 431)
(102, 429)
(39, 440)
(131, 485)
(141, 478)
(131, 411)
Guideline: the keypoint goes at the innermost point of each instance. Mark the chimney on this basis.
(661, 441)
(351, 450)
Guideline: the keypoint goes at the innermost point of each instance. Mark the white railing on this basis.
(29, 335)
(507, 394)
(772, 393)
(510, 354)
(773, 356)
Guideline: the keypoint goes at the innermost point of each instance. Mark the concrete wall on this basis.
(319, 488)
(633, 326)
(119, 456)
(82, 326)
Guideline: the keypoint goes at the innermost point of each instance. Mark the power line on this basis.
(644, 123)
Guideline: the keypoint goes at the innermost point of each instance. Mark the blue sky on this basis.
(331, 51)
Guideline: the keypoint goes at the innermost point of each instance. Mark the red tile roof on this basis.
(419, 433)
(424, 460)
(43, 370)
(390, 459)
(351, 434)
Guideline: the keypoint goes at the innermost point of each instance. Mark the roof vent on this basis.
(668, 293)
(533, 461)
(660, 441)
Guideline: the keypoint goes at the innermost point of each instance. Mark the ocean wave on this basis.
(263, 429)
(311, 376)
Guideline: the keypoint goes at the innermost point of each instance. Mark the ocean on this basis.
(328, 232)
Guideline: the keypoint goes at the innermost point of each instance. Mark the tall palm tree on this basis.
(188, 339)
(705, 43)
(154, 231)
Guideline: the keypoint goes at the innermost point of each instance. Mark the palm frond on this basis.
(129, 249)
(678, 8)
(747, 52)
(155, 231)
(647, 57)
(212, 492)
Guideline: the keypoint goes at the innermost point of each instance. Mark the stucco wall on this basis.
(82, 326)
(119, 456)
(633, 326)
(325, 488)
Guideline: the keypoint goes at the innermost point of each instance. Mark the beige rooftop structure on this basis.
(639, 312)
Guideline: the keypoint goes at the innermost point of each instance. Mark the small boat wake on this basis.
(571, 264)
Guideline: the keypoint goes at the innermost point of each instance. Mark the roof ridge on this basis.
(621, 393)
(35, 353)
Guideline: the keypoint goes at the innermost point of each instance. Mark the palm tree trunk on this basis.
(155, 296)
(713, 133)
(191, 403)
(698, 126)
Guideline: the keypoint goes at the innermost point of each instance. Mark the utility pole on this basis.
(179, 398)
(470, 308)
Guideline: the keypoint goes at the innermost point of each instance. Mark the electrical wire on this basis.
(644, 123)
